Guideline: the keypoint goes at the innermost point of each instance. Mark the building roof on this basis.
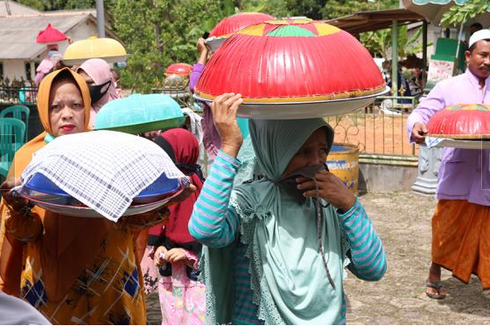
(18, 31)
(15, 9)
(366, 21)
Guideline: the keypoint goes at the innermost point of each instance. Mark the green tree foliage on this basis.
(457, 15)
(157, 33)
(316, 9)
(58, 4)
(47, 5)
(276, 8)
(339, 8)
(160, 32)
(379, 42)
(309, 8)
(36, 4)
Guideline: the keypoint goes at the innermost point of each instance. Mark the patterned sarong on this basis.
(460, 239)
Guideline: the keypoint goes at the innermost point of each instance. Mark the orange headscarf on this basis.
(24, 155)
(68, 243)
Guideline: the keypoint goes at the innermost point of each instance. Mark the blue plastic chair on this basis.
(12, 133)
(19, 112)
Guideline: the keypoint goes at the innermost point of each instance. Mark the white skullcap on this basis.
(483, 34)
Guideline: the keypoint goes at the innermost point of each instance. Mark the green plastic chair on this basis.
(12, 133)
(19, 112)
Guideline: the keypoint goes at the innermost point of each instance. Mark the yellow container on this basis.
(343, 161)
(104, 48)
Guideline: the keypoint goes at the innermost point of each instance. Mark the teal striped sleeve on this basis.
(212, 222)
(368, 258)
(343, 312)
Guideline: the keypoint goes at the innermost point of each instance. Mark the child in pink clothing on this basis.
(171, 258)
(182, 296)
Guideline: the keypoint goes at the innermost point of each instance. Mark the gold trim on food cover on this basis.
(317, 98)
(459, 136)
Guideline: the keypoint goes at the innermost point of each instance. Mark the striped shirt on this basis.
(215, 224)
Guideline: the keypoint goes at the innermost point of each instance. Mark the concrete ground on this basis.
(402, 219)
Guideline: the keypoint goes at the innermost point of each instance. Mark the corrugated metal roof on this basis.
(365, 21)
(18, 33)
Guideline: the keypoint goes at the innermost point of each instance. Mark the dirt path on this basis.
(403, 221)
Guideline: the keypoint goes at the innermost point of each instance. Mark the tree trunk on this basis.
(157, 37)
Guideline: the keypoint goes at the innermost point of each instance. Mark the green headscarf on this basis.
(287, 273)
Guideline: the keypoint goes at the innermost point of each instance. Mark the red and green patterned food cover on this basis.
(294, 60)
(462, 121)
(236, 22)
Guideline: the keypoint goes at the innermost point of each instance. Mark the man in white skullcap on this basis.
(461, 222)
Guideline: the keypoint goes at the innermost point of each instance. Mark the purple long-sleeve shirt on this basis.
(196, 73)
(464, 173)
(211, 137)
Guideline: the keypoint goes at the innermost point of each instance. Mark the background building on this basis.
(19, 26)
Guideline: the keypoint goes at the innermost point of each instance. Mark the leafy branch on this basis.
(457, 15)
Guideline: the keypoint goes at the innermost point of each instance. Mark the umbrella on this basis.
(50, 35)
(104, 170)
(433, 10)
(294, 68)
(140, 113)
(104, 48)
(462, 121)
(232, 24)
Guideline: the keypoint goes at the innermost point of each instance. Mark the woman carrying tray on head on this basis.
(275, 248)
(73, 270)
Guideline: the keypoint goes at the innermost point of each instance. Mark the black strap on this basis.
(165, 145)
(195, 168)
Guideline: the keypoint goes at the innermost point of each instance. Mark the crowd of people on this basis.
(264, 239)
(93, 271)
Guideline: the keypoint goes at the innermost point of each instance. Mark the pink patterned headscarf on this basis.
(100, 72)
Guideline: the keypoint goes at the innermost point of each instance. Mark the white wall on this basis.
(14, 69)
(82, 32)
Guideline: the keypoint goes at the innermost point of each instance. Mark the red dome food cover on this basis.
(50, 35)
(291, 61)
(238, 21)
(462, 121)
(181, 69)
